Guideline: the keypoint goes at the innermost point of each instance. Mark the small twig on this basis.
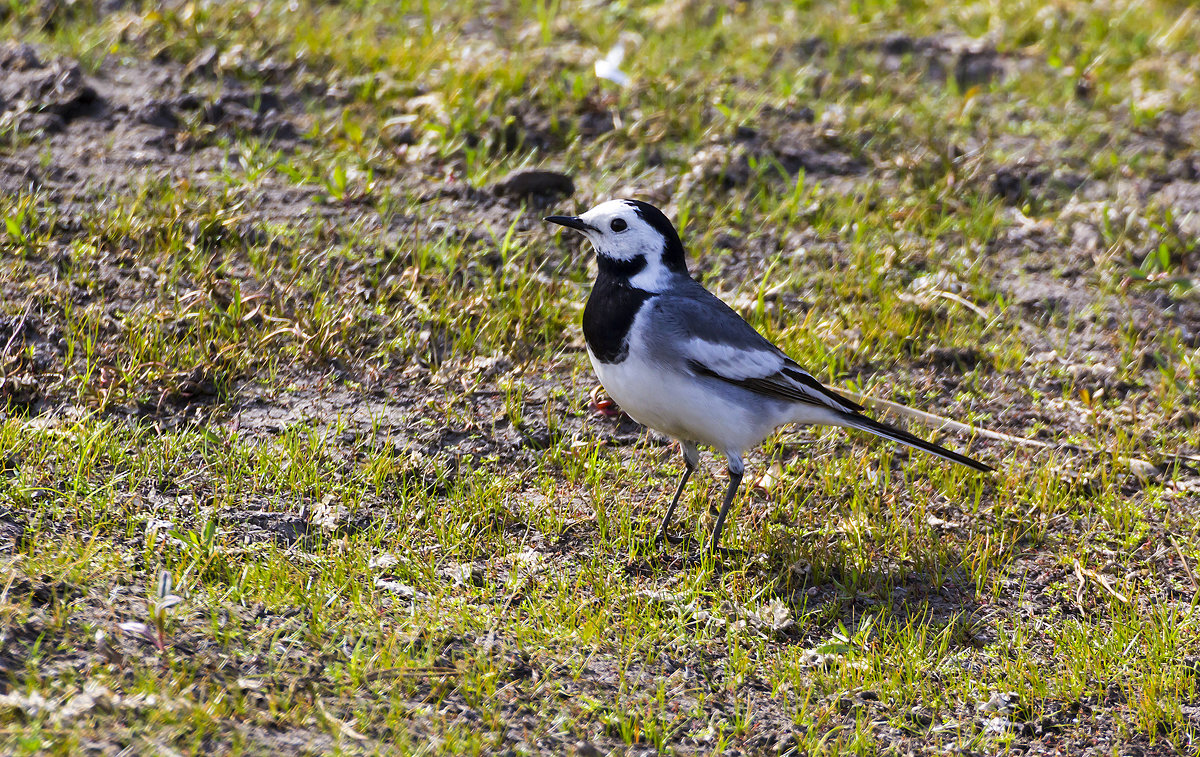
(1183, 561)
(519, 592)
(342, 726)
(1082, 583)
(962, 301)
(17, 330)
(1081, 571)
(410, 672)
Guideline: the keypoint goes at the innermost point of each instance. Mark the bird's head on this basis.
(633, 240)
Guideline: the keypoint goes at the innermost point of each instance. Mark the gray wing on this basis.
(715, 341)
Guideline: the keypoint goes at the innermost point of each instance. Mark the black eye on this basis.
(618, 224)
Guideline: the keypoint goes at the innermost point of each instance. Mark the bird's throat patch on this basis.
(621, 269)
(609, 315)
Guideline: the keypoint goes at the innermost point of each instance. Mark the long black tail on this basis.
(862, 422)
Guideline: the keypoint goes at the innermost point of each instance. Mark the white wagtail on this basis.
(679, 360)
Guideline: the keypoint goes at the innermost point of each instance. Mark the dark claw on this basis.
(729, 553)
(712, 557)
(667, 536)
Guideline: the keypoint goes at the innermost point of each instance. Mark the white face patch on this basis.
(619, 233)
(631, 238)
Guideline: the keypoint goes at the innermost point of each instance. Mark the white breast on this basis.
(671, 399)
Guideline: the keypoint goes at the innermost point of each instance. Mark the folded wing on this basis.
(771, 374)
(715, 341)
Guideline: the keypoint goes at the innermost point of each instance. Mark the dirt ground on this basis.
(1079, 356)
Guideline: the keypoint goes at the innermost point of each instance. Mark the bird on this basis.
(677, 359)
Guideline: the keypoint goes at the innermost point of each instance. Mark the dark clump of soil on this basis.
(39, 97)
(44, 591)
(283, 528)
(966, 61)
(788, 145)
(29, 350)
(12, 527)
(126, 123)
(534, 183)
(257, 113)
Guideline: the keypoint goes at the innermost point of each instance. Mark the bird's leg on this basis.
(691, 460)
(663, 530)
(736, 469)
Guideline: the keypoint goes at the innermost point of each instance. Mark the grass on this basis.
(295, 444)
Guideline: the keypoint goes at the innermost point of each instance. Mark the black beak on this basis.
(571, 222)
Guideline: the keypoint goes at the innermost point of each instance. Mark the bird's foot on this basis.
(654, 543)
(713, 558)
(600, 404)
(670, 538)
(727, 553)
